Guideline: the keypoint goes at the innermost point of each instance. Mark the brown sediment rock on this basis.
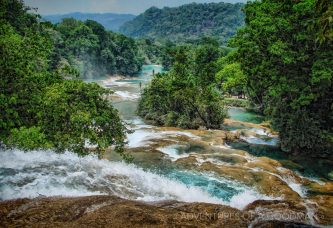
(264, 182)
(282, 210)
(318, 210)
(281, 224)
(109, 211)
(187, 162)
(323, 209)
(265, 164)
(264, 212)
(324, 188)
(231, 136)
(211, 137)
(275, 167)
(265, 126)
(267, 175)
(228, 158)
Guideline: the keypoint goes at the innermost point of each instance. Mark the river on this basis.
(169, 163)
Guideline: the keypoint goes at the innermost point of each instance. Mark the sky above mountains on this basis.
(46, 7)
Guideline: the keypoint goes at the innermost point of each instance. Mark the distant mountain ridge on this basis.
(186, 22)
(111, 21)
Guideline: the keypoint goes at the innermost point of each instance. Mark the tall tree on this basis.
(289, 72)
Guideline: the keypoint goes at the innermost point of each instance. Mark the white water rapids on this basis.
(45, 173)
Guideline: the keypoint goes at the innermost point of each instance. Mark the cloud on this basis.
(102, 6)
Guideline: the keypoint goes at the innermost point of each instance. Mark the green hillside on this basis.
(187, 22)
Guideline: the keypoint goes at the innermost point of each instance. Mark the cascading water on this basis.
(45, 173)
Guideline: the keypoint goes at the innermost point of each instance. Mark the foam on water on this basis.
(259, 141)
(289, 180)
(244, 198)
(46, 173)
(260, 131)
(141, 137)
(127, 95)
(173, 152)
(292, 183)
(137, 123)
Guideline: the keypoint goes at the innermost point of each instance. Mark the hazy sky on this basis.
(113, 6)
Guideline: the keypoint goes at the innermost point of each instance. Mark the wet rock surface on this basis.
(110, 211)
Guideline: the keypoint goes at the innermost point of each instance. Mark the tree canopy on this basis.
(93, 51)
(39, 108)
(285, 51)
(187, 22)
(186, 96)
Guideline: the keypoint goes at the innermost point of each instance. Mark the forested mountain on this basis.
(93, 50)
(187, 22)
(111, 21)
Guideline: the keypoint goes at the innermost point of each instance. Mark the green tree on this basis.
(93, 50)
(289, 72)
(74, 114)
(42, 106)
(186, 96)
(232, 80)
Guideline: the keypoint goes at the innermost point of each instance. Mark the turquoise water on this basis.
(243, 115)
(162, 165)
(150, 68)
(303, 165)
(127, 108)
(216, 187)
(235, 127)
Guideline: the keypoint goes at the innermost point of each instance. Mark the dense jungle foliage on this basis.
(154, 52)
(285, 52)
(186, 96)
(42, 105)
(282, 61)
(187, 22)
(93, 50)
